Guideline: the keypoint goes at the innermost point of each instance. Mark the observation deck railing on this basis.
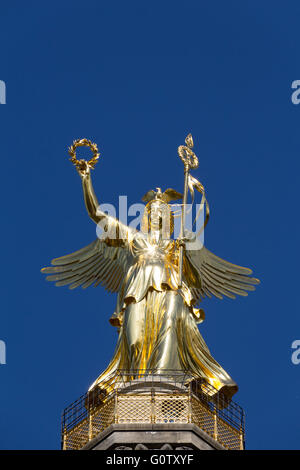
(151, 398)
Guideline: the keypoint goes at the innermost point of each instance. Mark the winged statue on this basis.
(157, 312)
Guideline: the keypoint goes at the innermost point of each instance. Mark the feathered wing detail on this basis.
(96, 263)
(167, 196)
(208, 275)
(172, 195)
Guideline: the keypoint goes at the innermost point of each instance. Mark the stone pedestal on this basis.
(153, 436)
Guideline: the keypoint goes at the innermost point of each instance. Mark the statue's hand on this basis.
(189, 237)
(83, 168)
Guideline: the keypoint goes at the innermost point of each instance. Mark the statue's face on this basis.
(159, 217)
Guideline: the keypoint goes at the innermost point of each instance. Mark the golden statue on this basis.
(159, 281)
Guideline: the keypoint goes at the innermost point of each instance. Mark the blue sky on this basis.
(136, 77)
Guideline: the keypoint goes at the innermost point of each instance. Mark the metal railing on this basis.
(147, 397)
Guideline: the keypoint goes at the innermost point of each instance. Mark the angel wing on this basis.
(210, 275)
(96, 263)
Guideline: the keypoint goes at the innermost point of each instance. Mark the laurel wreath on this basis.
(84, 143)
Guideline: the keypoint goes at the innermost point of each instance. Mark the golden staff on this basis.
(84, 143)
(190, 162)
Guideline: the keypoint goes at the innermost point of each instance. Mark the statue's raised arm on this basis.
(90, 198)
(105, 260)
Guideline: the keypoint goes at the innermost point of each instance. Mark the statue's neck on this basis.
(156, 235)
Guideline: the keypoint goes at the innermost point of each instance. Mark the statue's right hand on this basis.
(83, 168)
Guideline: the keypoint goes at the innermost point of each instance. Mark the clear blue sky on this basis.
(136, 77)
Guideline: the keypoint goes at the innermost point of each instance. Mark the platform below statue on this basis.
(149, 411)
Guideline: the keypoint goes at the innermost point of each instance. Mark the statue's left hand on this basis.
(188, 237)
